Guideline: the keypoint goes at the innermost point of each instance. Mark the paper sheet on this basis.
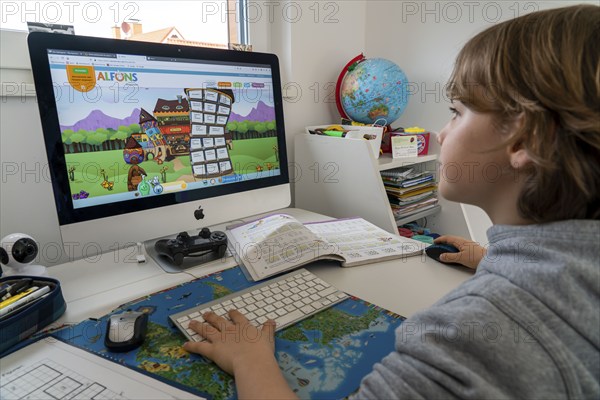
(359, 241)
(46, 370)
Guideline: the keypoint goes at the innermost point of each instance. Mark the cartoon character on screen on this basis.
(163, 174)
(156, 186)
(133, 154)
(159, 157)
(144, 187)
(106, 184)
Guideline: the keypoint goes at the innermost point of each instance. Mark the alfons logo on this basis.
(117, 76)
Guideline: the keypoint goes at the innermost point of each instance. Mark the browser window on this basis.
(135, 126)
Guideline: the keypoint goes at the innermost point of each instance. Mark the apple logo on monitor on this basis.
(199, 213)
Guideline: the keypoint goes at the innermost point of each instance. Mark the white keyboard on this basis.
(287, 299)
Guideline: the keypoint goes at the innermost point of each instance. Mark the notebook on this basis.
(279, 243)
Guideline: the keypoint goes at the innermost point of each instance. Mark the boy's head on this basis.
(537, 78)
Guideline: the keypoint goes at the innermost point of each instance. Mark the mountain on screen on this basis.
(261, 113)
(97, 119)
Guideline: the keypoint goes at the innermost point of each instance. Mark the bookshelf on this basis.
(386, 161)
(341, 178)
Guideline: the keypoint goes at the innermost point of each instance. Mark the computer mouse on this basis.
(125, 331)
(435, 250)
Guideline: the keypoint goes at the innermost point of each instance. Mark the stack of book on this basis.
(409, 191)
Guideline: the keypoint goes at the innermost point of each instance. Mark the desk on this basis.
(95, 286)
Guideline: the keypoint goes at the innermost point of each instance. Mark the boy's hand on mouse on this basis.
(469, 253)
(234, 344)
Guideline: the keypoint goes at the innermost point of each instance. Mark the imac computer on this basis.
(142, 136)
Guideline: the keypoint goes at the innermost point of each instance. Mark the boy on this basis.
(526, 101)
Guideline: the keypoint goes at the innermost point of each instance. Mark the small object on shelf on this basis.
(332, 130)
(417, 232)
(370, 90)
(405, 232)
(372, 134)
(386, 140)
(420, 136)
(416, 229)
(404, 146)
(423, 238)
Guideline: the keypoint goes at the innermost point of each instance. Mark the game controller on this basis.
(185, 245)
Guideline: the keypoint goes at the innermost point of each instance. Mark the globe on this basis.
(372, 89)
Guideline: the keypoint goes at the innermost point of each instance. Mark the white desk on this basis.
(96, 286)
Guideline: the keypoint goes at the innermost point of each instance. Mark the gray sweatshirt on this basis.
(527, 325)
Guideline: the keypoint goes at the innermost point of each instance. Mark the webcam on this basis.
(19, 250)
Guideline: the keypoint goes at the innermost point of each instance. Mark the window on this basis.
(210, 23)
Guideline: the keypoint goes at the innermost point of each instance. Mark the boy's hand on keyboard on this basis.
(235, 343)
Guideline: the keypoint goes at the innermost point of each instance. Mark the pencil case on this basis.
(26, 321)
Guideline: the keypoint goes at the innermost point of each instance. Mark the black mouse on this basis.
(435, 250)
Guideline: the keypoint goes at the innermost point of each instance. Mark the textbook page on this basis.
(360, 242)
(51, 369)
(275, 244)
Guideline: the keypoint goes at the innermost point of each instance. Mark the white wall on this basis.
(314, 40)
(26, 202)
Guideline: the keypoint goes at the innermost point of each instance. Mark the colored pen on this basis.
(4, 291)
(335, 133)
(17, 288)
(16, 297)
(16, 310)
(25, 300)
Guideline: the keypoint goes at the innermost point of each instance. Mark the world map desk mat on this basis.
(324, 356)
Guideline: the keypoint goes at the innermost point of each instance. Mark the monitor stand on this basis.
(188, 262)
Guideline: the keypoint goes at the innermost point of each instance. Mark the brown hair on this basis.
(543, 68)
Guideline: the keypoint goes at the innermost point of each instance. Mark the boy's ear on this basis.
(519, 157)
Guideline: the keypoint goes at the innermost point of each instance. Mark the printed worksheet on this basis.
(46, 370)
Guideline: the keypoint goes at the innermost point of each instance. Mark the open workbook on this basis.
(279, 243)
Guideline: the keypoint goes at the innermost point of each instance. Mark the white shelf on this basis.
(385, 161)
(418, 215)
(341, 178)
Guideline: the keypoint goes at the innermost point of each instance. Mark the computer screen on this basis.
(133, 126)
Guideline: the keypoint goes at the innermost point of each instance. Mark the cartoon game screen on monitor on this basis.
(134, 127)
